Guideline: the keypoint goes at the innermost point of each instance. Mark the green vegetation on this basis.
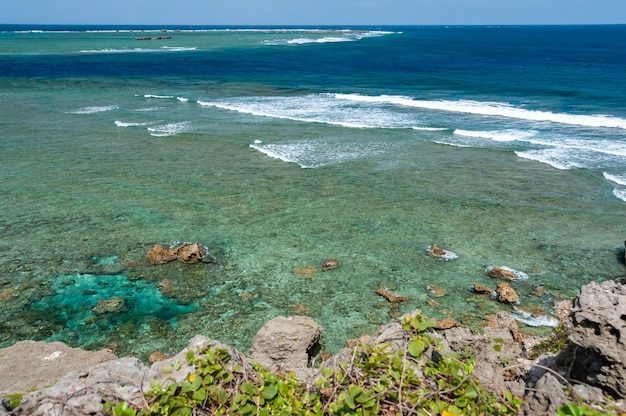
(557, 341)
(378, 380)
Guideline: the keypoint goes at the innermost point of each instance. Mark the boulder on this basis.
(284, 344)
(482, 289)
(160, 254)
(29, 365)
(189, 253)
(506, 293)
(110, 305)
(502, 273)
(83, 392)
(546, 396)
(597, 324)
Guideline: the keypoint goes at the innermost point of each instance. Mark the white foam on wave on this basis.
(429, 128)
(620, 194)
(170, 129)
(160, 97)
(620, 180)
(328, 39)
(120, 123)
(318, 108)
(497, 135)
(532, 320)
(147, 109)
(492, 109)
(94, 109)
(310, 154)
(335, 36)
(141, 50)
(518, 275)
(558, 158)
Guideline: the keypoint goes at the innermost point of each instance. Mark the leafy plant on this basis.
(419, 379)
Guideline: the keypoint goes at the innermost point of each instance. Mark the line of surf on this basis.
(497, 109)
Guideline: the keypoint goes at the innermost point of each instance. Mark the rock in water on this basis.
(330, 264)
(506, 293)
(191, 253)
(160, 254)
(111, 305)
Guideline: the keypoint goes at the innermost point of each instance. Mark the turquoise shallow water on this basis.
(97, 168)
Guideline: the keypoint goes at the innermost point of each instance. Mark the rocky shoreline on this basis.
(54, 378)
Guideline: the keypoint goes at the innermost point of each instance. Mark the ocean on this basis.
(278, 148)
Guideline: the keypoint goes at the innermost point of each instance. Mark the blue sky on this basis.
(313, 12)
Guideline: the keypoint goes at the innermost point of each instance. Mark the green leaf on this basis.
(186, 387)
(269, 391)
(249, 388)
(199, 395)
(354, 391)
(416, 347)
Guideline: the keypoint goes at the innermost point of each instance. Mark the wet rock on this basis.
(391, 297)
(285, 343)
(189, 253)
(111, 305)
(330, 264)
(160, 254)
(446, 323)
(306, 271)
(436, 251)
(506, 294)
(437, 291)
(502, 273)
(482, 289)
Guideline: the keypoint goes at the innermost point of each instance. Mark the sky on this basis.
(313, 12)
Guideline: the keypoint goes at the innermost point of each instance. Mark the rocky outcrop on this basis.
(284, 343)
(29, 365)
(597, 324)
(189, 253)
(506, 293)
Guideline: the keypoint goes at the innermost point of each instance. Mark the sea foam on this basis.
(493, 109)
(498, 135)
(126, 124)
(309, 154)
(620, 180)
(319, 108)
(94, 109)
(620, 194)
(170, 129)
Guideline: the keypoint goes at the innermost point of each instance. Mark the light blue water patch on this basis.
(75, 299)
(105, 261)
